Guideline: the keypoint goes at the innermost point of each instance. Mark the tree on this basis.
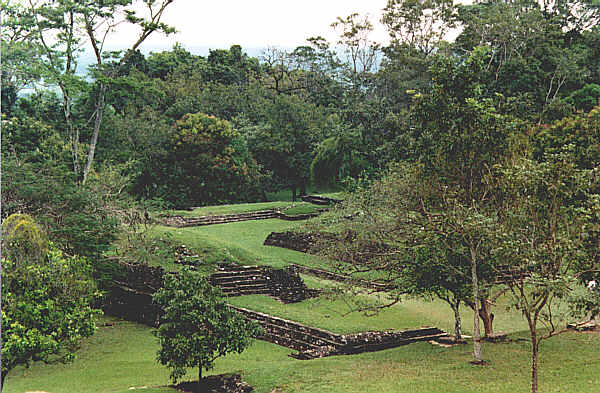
(436, 214)
(361, 54)
(286, 144)
(459, 135)
(338, 157)
(419, 26)
(46, 305)
(581, 132)
(17, 51)
(541, 51)
(404, 245)
(76, 24)
(197, 327)
(207, 161)
(74, 216)
(549, 215)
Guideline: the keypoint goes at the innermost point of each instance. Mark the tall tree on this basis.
(17, 51)
(61, 28)
(550, 212)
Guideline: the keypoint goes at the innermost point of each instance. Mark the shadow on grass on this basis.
(224, 383)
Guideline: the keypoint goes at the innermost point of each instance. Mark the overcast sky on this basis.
(254, 24)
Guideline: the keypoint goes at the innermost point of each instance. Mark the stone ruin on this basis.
(314, 343)
(285, 285)
(184, 222)
(131, 295)
(320, 200)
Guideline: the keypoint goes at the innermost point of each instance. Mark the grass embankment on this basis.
(239, 242)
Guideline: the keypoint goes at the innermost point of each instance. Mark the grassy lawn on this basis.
(240, 242)
(121, 357)
(334, 315)
(281, 201)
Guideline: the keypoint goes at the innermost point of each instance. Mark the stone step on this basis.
(241, 273)
(298, 345)
(231, 268)
(246, 287)
(243, 292)
(238, 284)
(306, 337)
(260, 317)
(238, 277)
(372, 347)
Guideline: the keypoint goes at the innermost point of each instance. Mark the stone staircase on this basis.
(314, 343)
(240, 280)
(286, 285)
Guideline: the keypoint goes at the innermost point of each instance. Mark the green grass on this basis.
(123, 356)
(281, 201)
(301, 208)
(334, 314)
(240, 242)
(286, 195)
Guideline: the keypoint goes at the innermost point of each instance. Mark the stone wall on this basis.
(297, 241)
(311, 342)
(287, 285)
(183, 222)
(131, 296)
(320, 200)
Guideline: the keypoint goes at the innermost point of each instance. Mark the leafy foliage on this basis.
(207, 162)
(577, 135)
(197, 326)
(22, 239)
(47, 308)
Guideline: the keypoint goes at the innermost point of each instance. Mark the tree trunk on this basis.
(97, 123)
(457, 322)
(293, 193)
(534, 361)
(302, 189)
(73, 135)
(2, 381)
(199, 376)
(264, 195)
(487, 317)
(476, 334)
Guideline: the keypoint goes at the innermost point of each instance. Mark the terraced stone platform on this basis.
(327, 275)
(132, 300)
(283, 284)
(184, 222)
(314, 343)
(320, 200)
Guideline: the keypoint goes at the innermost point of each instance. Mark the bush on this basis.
(46, 308)
(22, 239)
(74, 216)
